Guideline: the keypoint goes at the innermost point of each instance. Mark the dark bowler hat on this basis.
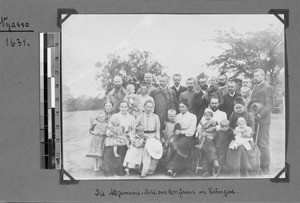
(255, 106)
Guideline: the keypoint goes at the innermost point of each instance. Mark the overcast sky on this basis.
(179, 42)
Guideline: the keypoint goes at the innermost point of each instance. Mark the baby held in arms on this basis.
(242, 135)
(116, 134)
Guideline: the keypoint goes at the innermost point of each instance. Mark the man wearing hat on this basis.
(262, 99)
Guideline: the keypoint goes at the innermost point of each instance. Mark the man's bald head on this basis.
(148, 77)
(162, 81)
(245, 91)
(247, 82)
(231, 86)
(258, 75)
(118, 81)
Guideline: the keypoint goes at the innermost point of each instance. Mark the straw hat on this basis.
(255, 106)
(154, 148)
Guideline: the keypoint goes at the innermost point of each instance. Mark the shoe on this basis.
(206, 174)
(216, 171)
(265, 171)
(127, 172)
(170, 172)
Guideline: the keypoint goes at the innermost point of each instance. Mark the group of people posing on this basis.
(167, 130)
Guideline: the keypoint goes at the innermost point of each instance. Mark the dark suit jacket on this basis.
(164, 100)
(264, 94)
(177, 93)
(198, 105)
(181, 89)
(228, 105)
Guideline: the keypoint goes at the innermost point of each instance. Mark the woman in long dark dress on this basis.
(240, 161)
(114, 165)
(183, 140)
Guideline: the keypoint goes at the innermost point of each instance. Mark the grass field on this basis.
(76, 139)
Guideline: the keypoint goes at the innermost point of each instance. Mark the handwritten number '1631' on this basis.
(10, 42)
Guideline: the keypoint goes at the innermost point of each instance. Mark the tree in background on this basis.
(80, 103)
(131, 68)
(245, 52)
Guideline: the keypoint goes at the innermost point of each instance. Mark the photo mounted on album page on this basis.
(161, 96)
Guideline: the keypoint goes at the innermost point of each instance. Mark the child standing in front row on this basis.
(134, 155)
(96, 146)
(222, 140)
(115, 135)
(168, 136)
(169, 130)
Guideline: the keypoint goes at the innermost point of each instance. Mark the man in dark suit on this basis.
(190, 93)
(199, 102)
(263, 93)
(164, 99)
(229, 98)
(177, 88)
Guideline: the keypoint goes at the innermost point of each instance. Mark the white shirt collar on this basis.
(222, 87)
(177, 88)
(260, 83)
(232, 95)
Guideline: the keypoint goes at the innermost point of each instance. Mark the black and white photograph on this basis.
(173, 96)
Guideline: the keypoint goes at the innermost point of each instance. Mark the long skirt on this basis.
(96, 146)
(133, 158)
(112, 164)
(222, 155)
(242, 162)
(149, 164)
(180, 150)
(209, 155)
(210, 150)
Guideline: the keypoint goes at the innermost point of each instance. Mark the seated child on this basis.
(242, 135)
(133, 157)
(206, 131)
(213, 90)
(96, 146)
(115, 135)
(222, 140)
